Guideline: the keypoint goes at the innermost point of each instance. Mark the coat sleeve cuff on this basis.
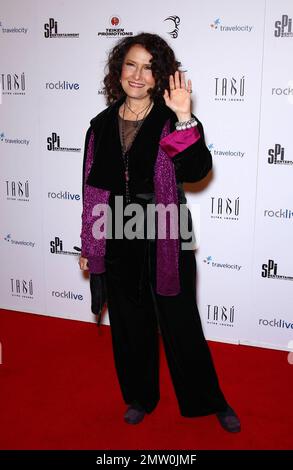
(96, 264)
(177, 141)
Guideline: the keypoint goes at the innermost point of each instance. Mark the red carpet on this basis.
(59, 391)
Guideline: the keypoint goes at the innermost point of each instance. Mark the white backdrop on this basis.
(239, 57)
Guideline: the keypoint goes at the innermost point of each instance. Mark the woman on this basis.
(138, 151)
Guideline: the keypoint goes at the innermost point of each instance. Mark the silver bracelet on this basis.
(182, 125)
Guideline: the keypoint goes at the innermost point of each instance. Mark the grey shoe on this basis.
(134, 414)
(229, 420)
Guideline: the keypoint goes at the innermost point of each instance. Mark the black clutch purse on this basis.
(98, 294)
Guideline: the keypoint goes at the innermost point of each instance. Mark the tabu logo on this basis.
(21, 287)
(13, 83)
(269, 269)
(283, 27)
(53, 142)
(229, 89)
(51, 28)
(220, 314)
(277, 156)
(225, 208)
(17, 190)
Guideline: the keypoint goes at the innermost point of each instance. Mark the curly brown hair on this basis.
(163, 64)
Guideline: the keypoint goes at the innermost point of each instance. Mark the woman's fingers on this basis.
(177, 79)
(189, 86)
(183, 84)
(83, 263)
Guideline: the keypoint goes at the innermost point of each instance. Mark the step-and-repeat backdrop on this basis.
(239, 57)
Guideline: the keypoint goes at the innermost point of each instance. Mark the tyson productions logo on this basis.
(64, 196)
(225, 208)
(13, 140)
(53, 144)
(221, 265)
(277, 156)
(12, 241)
(216, 152)
(62, 86)
(232, 28)
(22, 288)
(17, 190)
(276, 323)
(270, 271)
(279, 214)
(56, 248)
(51, 31)
(283, 27)
(229, 89)
(174, 21)
(66, 295)
(220, 315)
(13, 83)
(114, 29)
(5, 29)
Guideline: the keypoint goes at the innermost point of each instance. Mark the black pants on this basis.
(135, 328)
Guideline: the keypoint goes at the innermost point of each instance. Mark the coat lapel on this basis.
(108, 171)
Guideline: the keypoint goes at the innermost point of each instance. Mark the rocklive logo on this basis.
(62, 86)
(67, 295)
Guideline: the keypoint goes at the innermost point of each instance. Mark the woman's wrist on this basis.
(182, 117)
(183, 125)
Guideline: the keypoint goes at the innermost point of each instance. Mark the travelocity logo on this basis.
(5, 29)
(12, 241)
(232, 28)
(15, 140)
(225, 153)
(216, 264)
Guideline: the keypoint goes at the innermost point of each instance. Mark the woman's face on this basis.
(136, 74)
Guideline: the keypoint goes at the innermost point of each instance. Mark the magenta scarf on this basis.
(168, 283)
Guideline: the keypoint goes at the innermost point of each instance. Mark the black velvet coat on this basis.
(107, 172)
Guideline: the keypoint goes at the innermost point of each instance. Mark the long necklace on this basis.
(125, 150)
(136, 114)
